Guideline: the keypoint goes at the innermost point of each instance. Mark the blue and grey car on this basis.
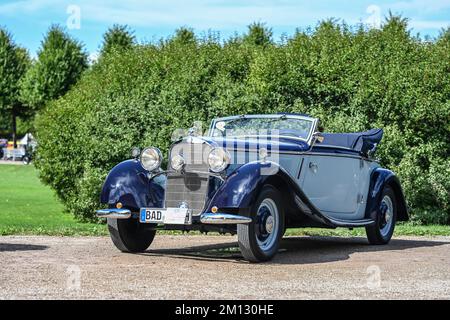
(254, 176)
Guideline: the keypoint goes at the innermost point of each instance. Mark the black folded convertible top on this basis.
(361, 142)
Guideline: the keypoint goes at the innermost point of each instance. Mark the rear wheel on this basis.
(128, 235)
(260, 239)
(381, 232)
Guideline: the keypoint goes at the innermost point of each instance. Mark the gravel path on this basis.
(210, 267)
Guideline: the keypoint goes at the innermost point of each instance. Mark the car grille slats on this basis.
(190, 187)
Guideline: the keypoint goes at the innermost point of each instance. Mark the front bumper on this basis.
(114, 213)
(223, 218)
(205, 218)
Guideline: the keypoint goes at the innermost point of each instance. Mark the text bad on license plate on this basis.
(165, 216)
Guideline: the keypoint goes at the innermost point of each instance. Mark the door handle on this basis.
(313, 166)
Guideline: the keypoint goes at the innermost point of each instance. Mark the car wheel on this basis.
(26, 160)
(260, 239)
(128, 235)
(381, 232)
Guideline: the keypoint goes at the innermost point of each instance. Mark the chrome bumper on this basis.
(114, 213)
(223, 218)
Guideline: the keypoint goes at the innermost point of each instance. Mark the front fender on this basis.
(378, 180)
(241, 187)
(129, 184)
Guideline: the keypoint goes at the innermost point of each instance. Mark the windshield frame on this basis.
(308, 140)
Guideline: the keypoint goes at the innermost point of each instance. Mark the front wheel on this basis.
(128, 235)
(260, 239)
(381, 232)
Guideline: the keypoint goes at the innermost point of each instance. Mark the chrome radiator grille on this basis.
(189, 187)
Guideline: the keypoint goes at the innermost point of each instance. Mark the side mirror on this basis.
(318, 137)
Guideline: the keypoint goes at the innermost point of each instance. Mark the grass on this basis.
(27, 207)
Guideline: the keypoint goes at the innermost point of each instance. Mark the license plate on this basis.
(165, 216)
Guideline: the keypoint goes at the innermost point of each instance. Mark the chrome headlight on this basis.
(218, 159)
(151, 159)
(177, 162)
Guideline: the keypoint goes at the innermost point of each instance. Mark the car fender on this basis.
(129, 183)
(380, 178)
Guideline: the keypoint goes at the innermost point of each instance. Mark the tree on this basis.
(14, 62)
(117, 37)
(258, 34)
(61, 61)
(184, 35)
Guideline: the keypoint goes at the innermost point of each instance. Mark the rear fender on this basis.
(378, 180)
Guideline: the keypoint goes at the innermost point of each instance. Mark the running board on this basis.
(351, 223)
(309, 209)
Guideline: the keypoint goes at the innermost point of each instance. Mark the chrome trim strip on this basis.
(223, 218)
(271, 136)
(217, 175)
(114, 213)
(325, 154)
(307, 153)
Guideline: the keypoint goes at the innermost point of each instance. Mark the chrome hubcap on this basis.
(267, 224)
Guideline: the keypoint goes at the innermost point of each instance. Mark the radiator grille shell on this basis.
(189, 187)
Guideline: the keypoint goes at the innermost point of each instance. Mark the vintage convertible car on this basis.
(254, 175)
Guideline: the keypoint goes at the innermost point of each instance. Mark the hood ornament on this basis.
(184, 205)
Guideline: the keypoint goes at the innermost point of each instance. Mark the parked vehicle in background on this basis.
(3, 145)
(23, 152)
(254, 175)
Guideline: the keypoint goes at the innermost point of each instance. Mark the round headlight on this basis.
(151, 159)
(218, 159)
(177, 162)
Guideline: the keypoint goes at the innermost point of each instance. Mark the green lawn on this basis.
(28, 207)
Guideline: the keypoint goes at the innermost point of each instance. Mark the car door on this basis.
(332, 183)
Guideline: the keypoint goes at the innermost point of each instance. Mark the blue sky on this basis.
(87, 20)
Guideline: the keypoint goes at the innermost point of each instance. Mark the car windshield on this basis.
(256, 126)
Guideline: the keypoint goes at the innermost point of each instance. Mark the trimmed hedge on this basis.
(353, 79)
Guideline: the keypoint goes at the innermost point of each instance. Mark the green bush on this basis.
(352, 78)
